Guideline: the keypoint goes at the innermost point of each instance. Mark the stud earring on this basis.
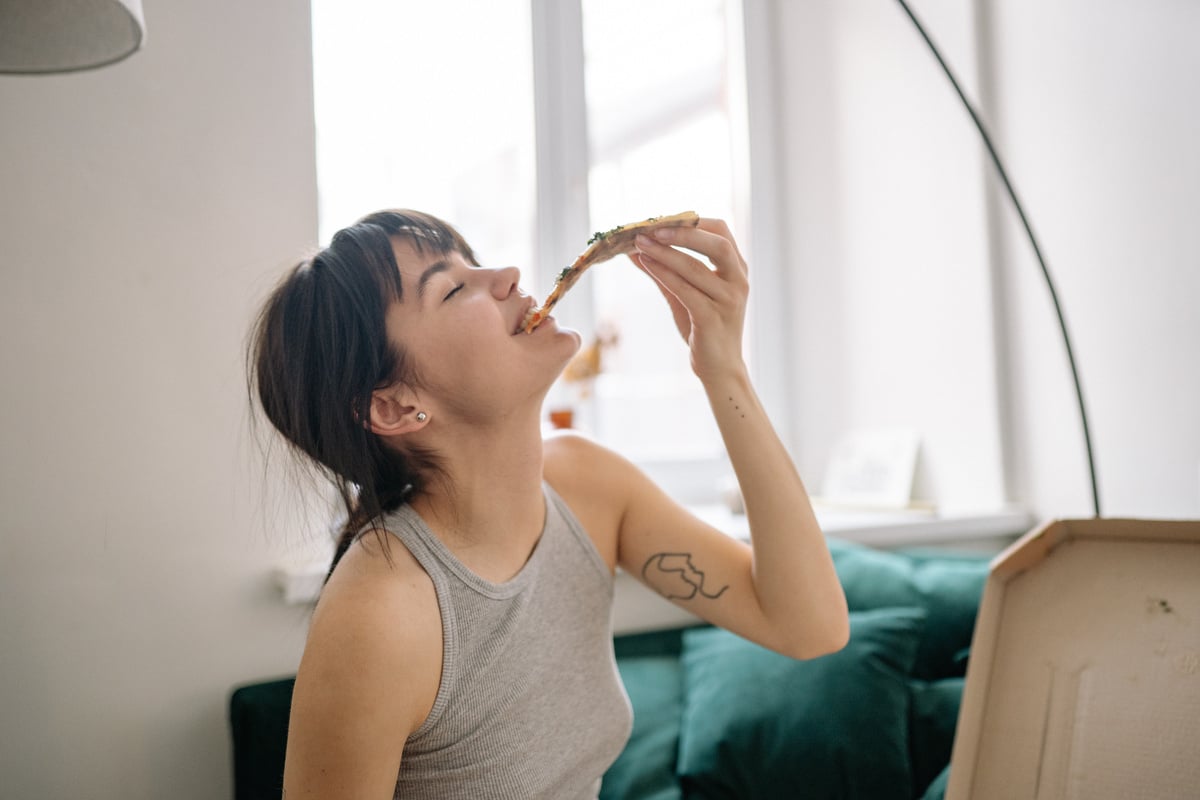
(422, 416)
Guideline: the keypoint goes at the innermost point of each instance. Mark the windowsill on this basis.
(892, 528)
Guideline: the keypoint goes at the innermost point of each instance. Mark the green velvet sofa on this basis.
(718, 717)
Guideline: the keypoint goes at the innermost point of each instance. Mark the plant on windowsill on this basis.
(580, 375)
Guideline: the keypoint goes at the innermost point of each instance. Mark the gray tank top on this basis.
(530, 703)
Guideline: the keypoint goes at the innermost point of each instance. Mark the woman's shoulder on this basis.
(581, 462)
(378, 604)
(377, 579)
(593, 481)
(371, 667)
(576, 467)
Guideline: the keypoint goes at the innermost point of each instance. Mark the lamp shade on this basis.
(38, 36)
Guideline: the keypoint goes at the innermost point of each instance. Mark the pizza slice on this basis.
(602, 247)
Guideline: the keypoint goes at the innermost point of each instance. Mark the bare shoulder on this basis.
(381, 607)
(594, 481)
(575, 458)
(369, 674)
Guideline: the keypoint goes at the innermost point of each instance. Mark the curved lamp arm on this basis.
(1037, 251)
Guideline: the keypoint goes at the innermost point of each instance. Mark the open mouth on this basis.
(524, 318)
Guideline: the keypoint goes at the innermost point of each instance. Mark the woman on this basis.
(461, 646)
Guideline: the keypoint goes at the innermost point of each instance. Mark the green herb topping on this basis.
(600, 236)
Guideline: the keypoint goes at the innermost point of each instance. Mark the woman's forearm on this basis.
(797, 587)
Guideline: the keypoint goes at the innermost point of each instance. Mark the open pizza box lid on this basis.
(1084, 676)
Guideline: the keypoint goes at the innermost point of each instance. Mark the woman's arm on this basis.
(367, 679)
(783, 591)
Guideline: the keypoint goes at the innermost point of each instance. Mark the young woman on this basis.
(462, 645)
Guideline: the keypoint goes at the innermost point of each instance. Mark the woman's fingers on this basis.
(687, 267)
(724, 284)
(669, 277)
(710, 238)
(709, 303)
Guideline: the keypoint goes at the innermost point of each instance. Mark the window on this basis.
(659, 136)
(438, 106)
(427, 106)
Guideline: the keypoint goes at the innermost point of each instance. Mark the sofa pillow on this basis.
(937, 789)
(948, 588)
(933, 718)
(757, 724)
(646, 767)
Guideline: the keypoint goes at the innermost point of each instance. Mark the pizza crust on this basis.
(602, 247)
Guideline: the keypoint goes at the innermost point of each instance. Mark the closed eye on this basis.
(453, 292)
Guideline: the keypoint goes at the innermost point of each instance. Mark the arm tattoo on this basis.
(675, 577)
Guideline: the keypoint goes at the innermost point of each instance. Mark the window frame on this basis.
(562, 209)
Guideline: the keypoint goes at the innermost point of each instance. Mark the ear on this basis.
(395, 411)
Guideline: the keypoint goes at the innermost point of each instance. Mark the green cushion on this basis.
(757, 724)
(949, 589)
(933, 718)
(668, 642)
(645, 770)
(937, 789)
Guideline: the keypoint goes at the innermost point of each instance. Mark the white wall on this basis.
(1098, 117)
(886, 231)
(144, 209)
(918, 302)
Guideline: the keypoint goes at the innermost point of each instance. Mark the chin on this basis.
(563, 333)
(570, 341)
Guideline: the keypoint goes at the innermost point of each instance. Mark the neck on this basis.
(491, 498)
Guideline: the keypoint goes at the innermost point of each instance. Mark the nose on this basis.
(505, 281)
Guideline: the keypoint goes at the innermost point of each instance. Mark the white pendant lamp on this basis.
(40, 36)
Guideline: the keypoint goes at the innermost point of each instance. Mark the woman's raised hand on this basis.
(708, 303)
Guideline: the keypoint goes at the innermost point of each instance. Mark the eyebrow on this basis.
(434, 269)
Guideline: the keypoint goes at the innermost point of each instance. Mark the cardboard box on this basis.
(1084, 676)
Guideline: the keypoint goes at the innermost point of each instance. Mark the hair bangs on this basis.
(425, 231)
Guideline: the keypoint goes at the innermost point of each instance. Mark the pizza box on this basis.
(1084, 675)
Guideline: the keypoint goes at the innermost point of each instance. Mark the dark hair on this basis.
(319, 348)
